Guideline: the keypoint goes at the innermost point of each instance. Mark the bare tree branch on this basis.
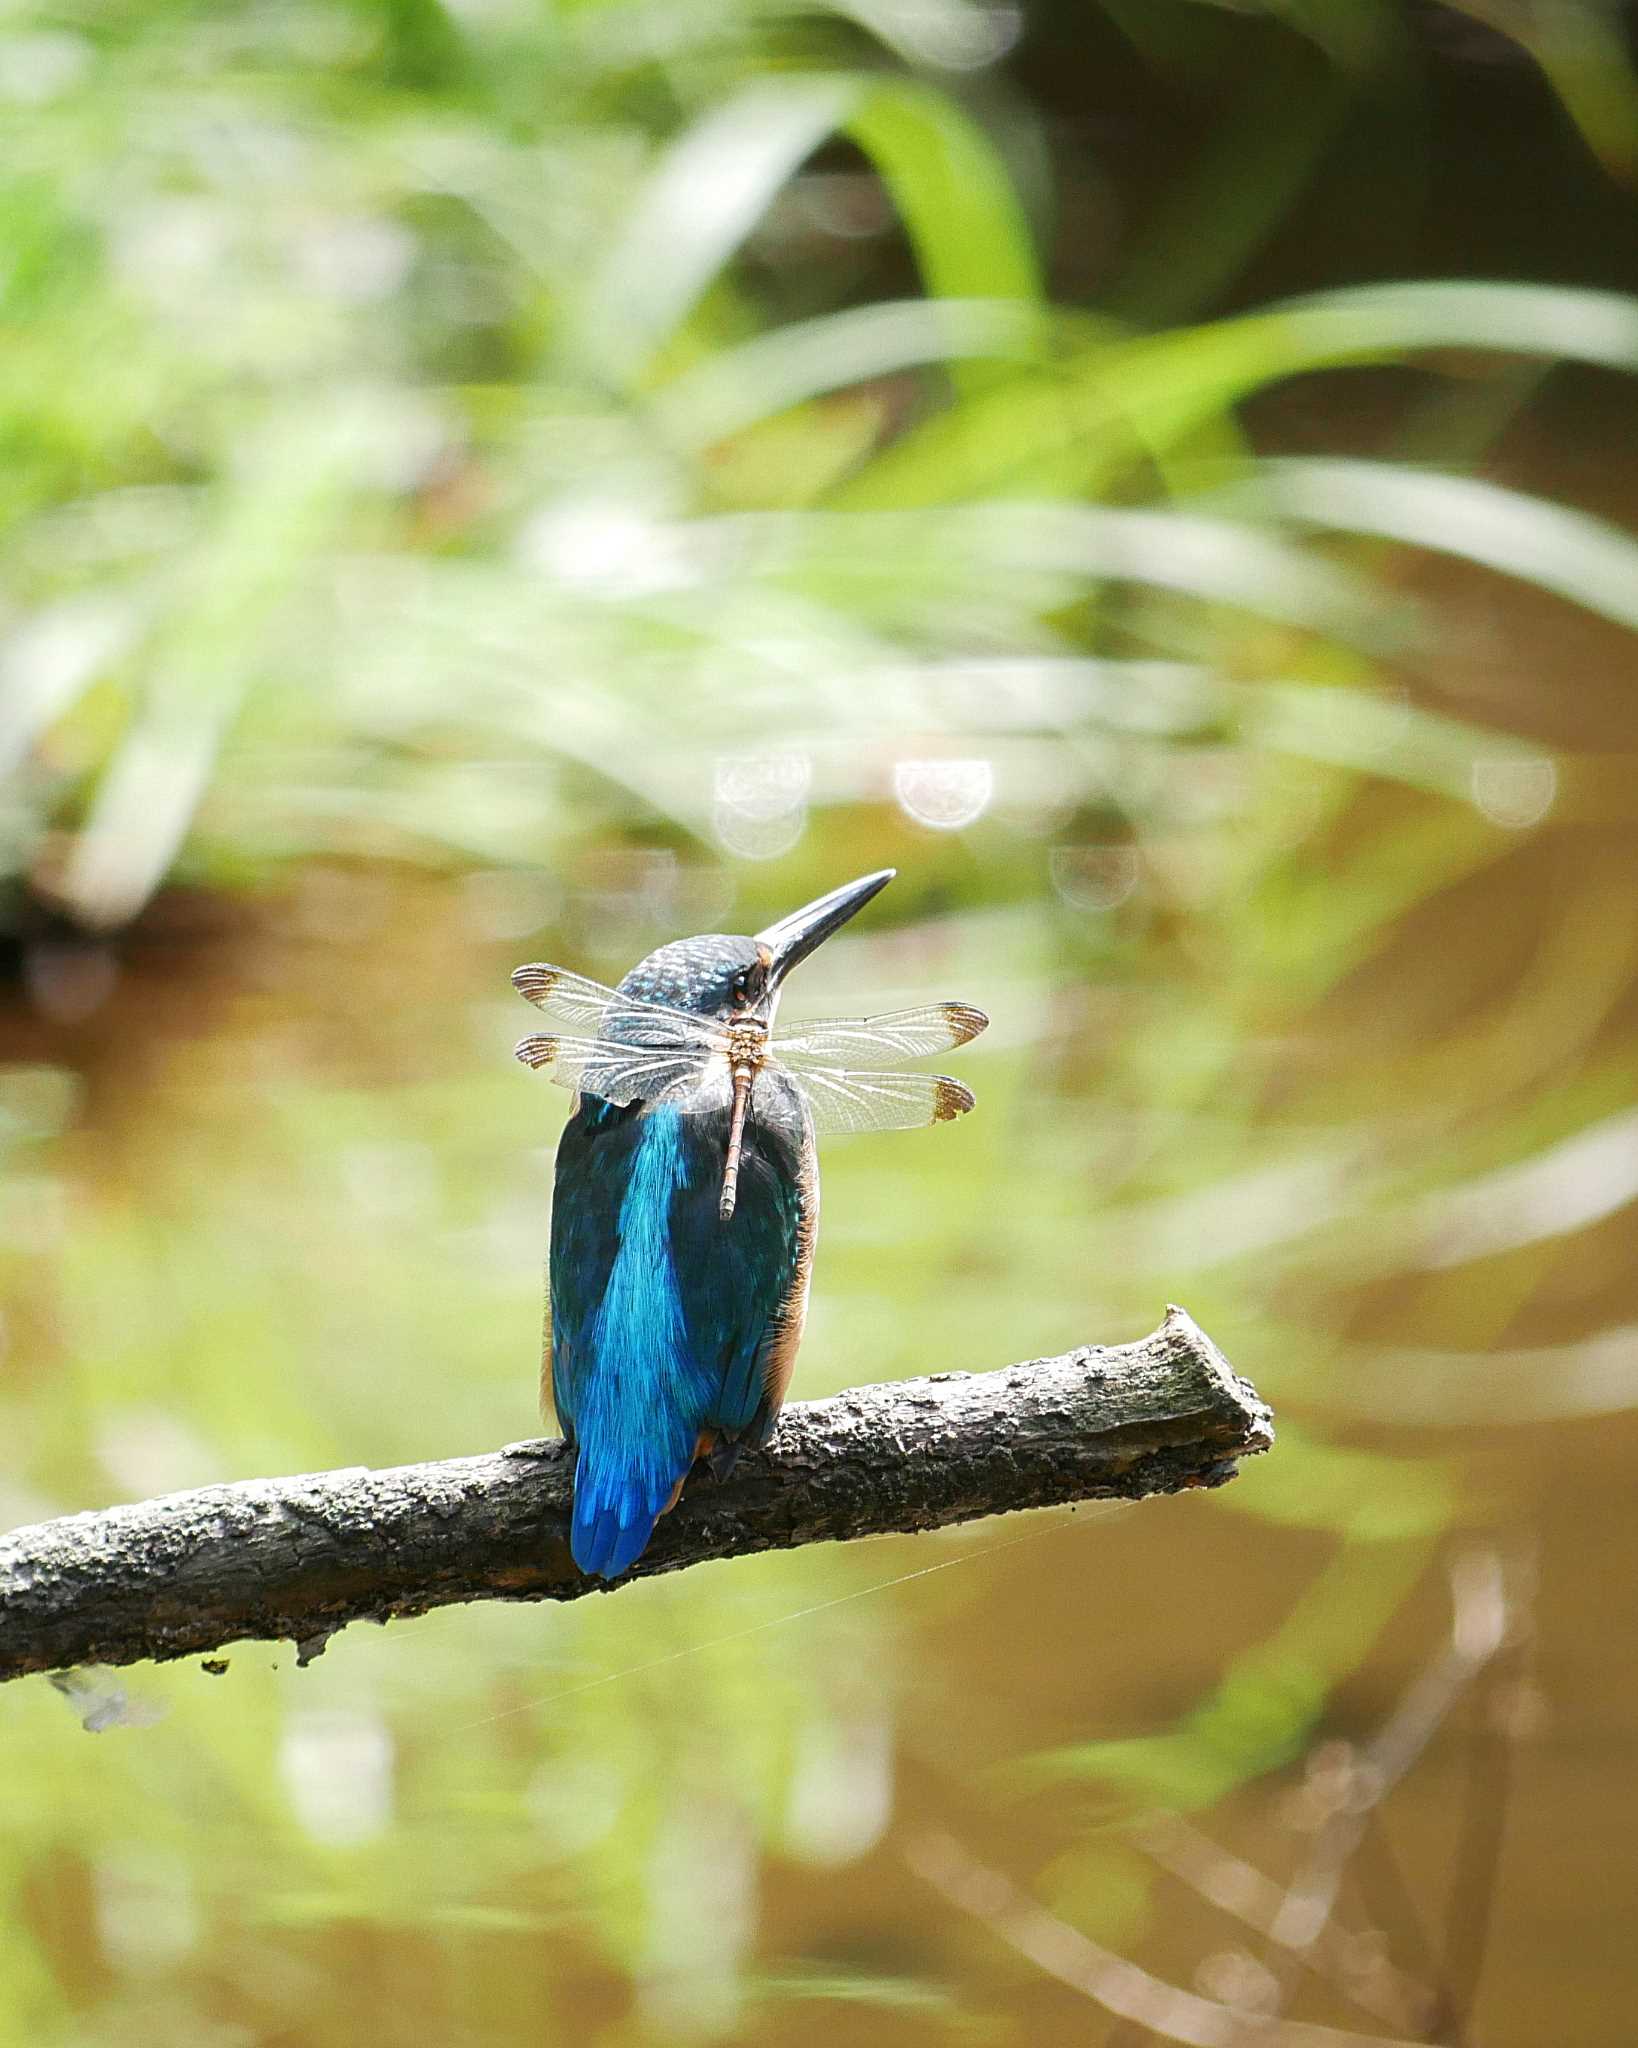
(1239, 1888)
(303, 1557)
(1085, 1965)
(1345, 1788)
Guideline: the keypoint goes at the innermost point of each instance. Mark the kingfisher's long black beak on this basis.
(793, 938)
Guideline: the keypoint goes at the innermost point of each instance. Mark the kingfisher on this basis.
(685, 1206)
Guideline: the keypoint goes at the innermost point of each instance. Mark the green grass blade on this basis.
(736, 387)
(1072, 429)
(950, 186)
(1570, 553)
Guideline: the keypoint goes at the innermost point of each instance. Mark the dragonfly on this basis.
(624, 1050)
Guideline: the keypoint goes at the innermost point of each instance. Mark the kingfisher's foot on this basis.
(723, 1457)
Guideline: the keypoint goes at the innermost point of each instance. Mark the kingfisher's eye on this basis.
(739, 989)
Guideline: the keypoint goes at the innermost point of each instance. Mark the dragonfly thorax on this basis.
(746, 1045)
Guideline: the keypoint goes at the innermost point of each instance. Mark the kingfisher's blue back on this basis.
(672, 1332)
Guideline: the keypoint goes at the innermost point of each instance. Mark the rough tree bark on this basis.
(301, 1558)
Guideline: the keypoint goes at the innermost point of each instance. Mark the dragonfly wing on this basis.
(589, 1006)
(840, 1099)
(627, 1073)
(882, 1041)
(570, 996)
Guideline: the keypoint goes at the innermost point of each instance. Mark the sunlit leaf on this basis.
(733, 387)
(1570, 553)
(1119, 400)
(952, 192)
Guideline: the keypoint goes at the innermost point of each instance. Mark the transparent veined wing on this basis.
(695, 1078)
(881, 1041)
(841, 1099)
(572, 997)
(589, 1006)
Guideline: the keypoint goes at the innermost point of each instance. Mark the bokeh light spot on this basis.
(1095, 878)
(760, 805)
(944, 794)
(1515, 790)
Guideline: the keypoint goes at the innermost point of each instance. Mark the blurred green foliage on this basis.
(373, 442)
(506, 479)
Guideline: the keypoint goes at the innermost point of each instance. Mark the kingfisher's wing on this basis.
(881, 1041)
(587, 1006)
(843, 1099)
(622, 1073)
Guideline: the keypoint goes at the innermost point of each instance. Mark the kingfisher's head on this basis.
(728, 978)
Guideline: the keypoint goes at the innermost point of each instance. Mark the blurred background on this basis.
(497, 479)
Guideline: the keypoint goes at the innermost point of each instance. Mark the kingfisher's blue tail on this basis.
(640, 1395)
(614, 1517)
